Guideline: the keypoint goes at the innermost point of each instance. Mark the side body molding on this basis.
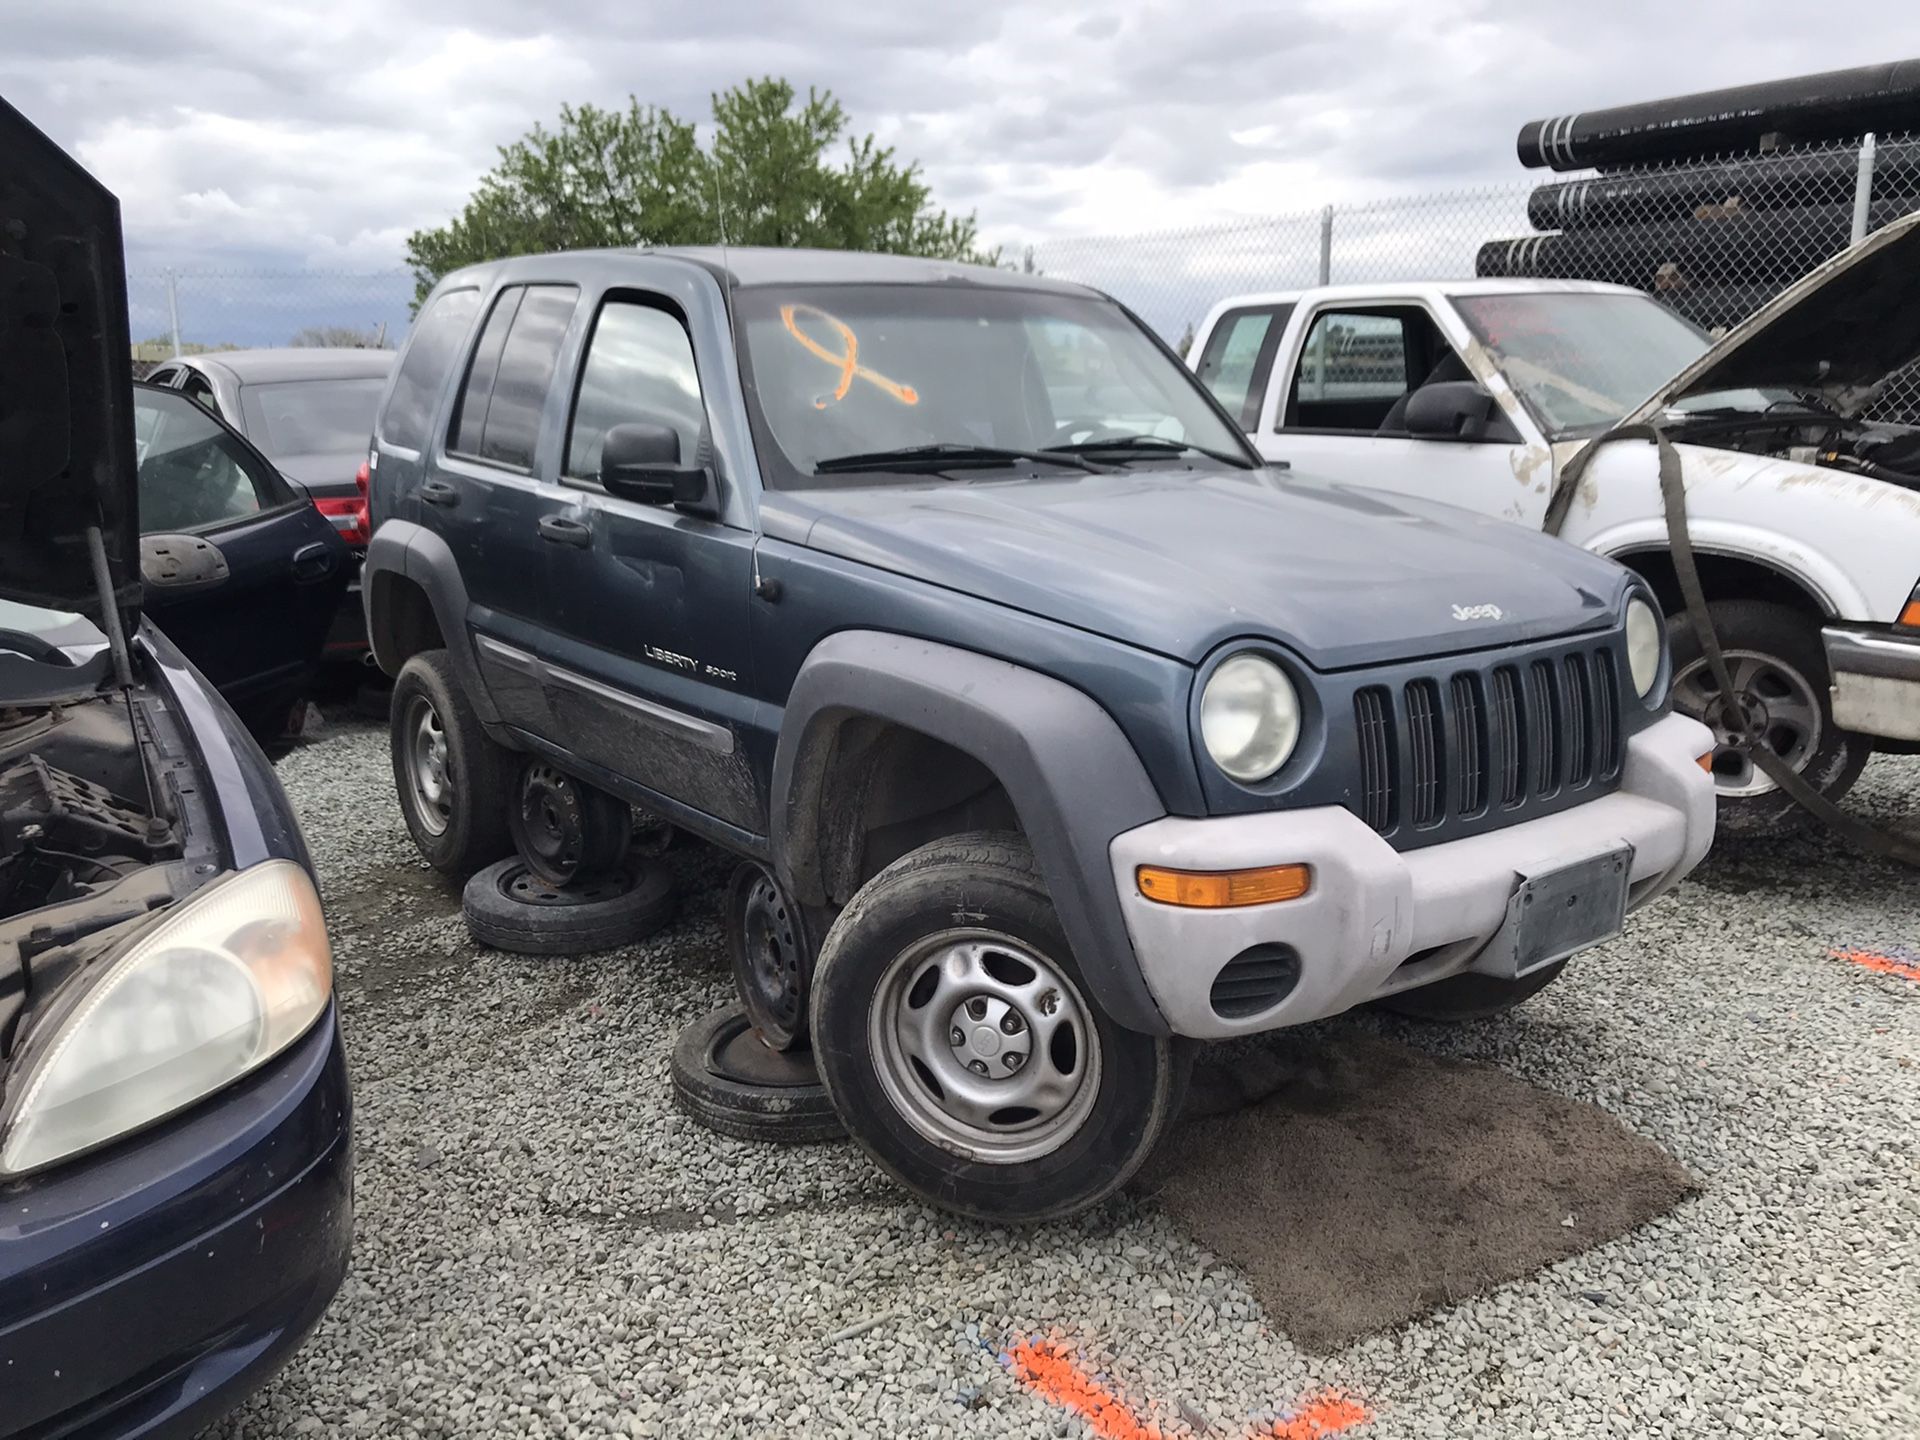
(1070, 772)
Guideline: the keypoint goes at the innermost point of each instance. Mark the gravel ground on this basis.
(545, 1247)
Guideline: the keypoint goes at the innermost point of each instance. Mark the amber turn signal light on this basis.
(1223, 889)
(1705, 762)
(1910, 616)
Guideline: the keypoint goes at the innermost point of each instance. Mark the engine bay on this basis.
(1809, 437)
(96, 834)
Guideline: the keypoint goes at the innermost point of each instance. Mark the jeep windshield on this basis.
(853, 383)
(1579, 362)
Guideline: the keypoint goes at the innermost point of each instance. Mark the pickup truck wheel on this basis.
(1470, 997)
(963, 1049)
(452, 780)
(1779, 670)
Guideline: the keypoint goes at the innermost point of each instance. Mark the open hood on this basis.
(1840, 330)
(67, 458)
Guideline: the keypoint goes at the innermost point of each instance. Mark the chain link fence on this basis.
(194, 311)
(1713, 238)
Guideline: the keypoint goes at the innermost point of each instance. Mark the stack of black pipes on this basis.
(1716, 202)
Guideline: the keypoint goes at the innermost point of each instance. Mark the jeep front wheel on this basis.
(453, 782)
(963, 1049)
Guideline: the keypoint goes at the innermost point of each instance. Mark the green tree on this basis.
(640, 176)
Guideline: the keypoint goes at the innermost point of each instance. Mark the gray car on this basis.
(1073, 731)
(310, 411)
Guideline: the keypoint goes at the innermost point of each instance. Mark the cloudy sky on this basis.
(318, 135)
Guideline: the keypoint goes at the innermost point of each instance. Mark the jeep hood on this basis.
(1840, 331)
(66, 383)
(1179, 561)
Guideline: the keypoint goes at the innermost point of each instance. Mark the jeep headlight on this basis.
(227, 980)
(1249, 717)
(1646, 643)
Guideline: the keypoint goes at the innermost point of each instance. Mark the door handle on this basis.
(312, 562)
(562, 531)
(439, 492)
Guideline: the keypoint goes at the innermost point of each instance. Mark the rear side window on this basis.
(497, 418)
(431, 351)
(1239, 357)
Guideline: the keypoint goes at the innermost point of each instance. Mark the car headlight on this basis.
(224, 982)
(1646, 642)
(1249, 717)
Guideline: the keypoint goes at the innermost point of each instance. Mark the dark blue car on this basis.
(176, 1198)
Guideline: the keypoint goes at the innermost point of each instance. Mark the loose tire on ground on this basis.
(725, 1078)
(453, 782)
(1470, 997)
(509, 907)
(940, 1001)
(1776, 656)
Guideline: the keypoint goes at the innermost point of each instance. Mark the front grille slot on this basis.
(1469, 745)
(1375, 732)
(1426, 793)
(1436, 750)
(1543, 728)
(1579, 722)
(1512, 746)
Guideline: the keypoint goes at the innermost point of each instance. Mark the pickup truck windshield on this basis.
(1580, 362)
(852, 372)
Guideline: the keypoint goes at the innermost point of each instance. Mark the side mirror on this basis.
(1452, 410)
(641, 461)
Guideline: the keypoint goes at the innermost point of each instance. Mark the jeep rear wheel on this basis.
(960, 1044)
(453, 782)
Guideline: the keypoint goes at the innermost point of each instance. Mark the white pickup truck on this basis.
(1804, 510)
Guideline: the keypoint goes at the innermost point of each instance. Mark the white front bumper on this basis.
(1371, 907)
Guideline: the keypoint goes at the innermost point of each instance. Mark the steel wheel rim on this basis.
(428, 775)
(1778, 702)
(772, 944)
(972, 1055)
(549, 815)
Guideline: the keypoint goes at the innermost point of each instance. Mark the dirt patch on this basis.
(1358, 1183)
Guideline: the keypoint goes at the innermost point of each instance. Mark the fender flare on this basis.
(1071, 774)
(400, 547)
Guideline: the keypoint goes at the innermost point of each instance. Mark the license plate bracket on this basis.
(1554, 913)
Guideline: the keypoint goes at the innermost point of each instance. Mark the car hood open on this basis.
(1838, 331)
(1180, 561)
(67, 458)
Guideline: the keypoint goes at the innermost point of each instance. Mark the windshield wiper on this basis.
(1130, 447)
(946, 455)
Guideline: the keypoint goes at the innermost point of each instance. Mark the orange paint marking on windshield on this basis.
(847, 361)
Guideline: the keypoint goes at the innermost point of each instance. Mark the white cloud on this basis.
(321, 135)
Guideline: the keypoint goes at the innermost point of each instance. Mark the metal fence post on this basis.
(173, 310)
(1326, 245)
(1863, 188)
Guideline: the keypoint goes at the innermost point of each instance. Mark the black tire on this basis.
(1470, 997)
(1129, 1085)
(1790, 641)
(510, 908)
(724, 1078)
(772, 956)
(471, 830)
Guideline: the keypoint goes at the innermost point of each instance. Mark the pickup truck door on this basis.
(1331, 404)
(648, 675)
